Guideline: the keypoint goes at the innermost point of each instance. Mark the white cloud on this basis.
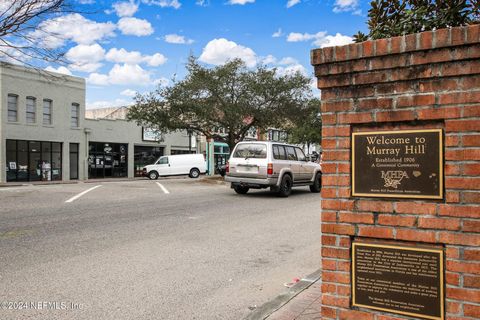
(219, 51)
(125, 9)
(278, 33)
(336, 40)
(86, 1)
(86, 53)
(134, 57)
(107, 104)
(128, 93)
(291, 3)
(55, 32)
(85, 67)
(61, 69)
(288, 60)
(85, 58)
(269, 59)
(202, 3)
(240, 2)
(321, 39)
(135, 27)
(164, 3)
(125, 74)
(177, 39)
(345, 5)
(156, 60)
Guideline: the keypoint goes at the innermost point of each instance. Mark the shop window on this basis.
(33, 160)
(75, 114)
(31, 110)
(47, 112)
(12, 108)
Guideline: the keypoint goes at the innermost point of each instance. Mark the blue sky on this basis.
(123, 47)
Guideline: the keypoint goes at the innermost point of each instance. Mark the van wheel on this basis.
(285, 186)
(317, 183)
(153, 175)
(241, 190)
(194, 173)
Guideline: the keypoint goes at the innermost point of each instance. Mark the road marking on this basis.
(81, 194)
(163, 188)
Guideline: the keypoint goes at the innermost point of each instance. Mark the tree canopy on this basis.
(230, 96)
(390, 18)
(307, 127)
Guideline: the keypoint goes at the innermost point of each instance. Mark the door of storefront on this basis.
(107, 160)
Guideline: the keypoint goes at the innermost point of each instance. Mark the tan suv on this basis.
(263, 164)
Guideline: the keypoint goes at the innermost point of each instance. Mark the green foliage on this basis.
(229, 96)
(307, 127)
(390, 18)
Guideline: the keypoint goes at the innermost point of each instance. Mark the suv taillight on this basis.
(227, 168)
(270, 169)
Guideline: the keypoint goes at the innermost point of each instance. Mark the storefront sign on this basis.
(398, 164)
(398, 279)
(149, 134)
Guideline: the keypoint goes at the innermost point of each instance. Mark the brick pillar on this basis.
(424, 80)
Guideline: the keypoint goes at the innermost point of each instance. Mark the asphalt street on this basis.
(176, 249)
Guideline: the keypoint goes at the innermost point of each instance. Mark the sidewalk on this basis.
(300, 302)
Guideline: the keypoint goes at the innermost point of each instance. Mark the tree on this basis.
(307, 127)
(390, 18)
(230, 96)
(20, 31)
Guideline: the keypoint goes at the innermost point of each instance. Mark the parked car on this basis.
(266, 164)
(179, 164)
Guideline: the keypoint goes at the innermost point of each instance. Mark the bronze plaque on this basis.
(398, 279)
(398, 164)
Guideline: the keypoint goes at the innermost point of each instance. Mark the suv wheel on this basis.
(241, 190)
(194, 173)
(153, 175)
(285, 186)
(317, 183)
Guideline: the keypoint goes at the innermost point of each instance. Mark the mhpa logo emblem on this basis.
(393, 178)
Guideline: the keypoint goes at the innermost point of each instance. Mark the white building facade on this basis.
(45, 136)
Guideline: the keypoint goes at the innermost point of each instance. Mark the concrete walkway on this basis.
(301, 302)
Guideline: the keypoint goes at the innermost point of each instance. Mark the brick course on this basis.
(424, 80)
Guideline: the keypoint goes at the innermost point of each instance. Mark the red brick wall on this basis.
(425, 80)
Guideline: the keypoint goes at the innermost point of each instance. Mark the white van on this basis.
(191, 164)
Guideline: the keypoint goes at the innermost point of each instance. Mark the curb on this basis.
(265, 310)
(206, 179)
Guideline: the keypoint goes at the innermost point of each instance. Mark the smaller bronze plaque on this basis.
(399, 279)
(398, 164)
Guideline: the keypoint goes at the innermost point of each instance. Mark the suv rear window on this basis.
(251, 150)
(279, 152)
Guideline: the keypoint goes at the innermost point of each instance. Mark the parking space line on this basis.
(81, 194)
(163, 188)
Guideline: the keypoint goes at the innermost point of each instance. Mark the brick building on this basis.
(429, 80)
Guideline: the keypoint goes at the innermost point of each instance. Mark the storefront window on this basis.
(107, 160)
(33, 160)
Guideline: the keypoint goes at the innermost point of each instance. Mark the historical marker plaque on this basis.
(398, 279)
(398, 164)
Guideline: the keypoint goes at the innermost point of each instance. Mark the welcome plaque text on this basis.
(398, 164)
(399, 279)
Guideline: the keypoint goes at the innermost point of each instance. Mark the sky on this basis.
(128, 46)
